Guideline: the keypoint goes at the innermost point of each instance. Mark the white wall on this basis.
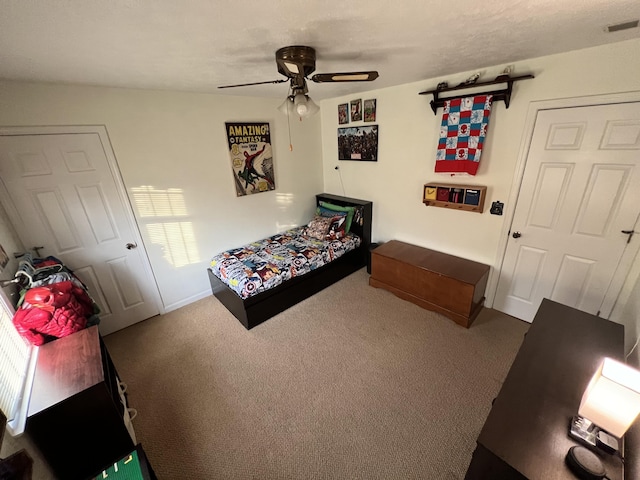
(175, 140)
(11, 244)
(409, 134)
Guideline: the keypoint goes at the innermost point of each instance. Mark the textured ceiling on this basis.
(197, 45)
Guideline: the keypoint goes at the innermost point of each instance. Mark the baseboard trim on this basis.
(186, 301)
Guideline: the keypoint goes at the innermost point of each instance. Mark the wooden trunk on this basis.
(446, 284)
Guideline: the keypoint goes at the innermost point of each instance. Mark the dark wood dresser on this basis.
(526, 433)
(447, 284)
(76, 413)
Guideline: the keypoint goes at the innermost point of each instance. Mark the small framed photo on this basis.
(370, 110)
(356, 110)
(343, 113)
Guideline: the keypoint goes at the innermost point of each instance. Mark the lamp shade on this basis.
(311, 105)
(612, 398)
(285, 106)
(304, 106)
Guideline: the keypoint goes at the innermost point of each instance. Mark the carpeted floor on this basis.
(353, 383)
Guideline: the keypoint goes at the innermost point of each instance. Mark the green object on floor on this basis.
(127, 468)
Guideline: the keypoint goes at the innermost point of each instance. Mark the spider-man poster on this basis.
(251, 157)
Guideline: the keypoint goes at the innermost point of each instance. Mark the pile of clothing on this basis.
(54, 302)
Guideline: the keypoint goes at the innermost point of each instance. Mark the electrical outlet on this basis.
(496, 208)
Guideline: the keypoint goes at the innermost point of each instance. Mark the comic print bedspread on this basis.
(261, 265)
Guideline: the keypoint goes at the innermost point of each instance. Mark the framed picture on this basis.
(343, 113)
(251, 157)
(356, 110)
(358, 143)
(370, 110)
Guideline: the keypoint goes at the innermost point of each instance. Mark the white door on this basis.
(580, 190)
(62, 196)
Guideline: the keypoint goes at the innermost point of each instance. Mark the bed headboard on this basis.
(364, 230)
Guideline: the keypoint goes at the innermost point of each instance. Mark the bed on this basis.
(261, 306)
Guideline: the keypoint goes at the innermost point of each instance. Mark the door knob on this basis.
(516, 234)
(131, 246)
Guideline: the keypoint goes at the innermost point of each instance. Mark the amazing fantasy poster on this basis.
(251, 157)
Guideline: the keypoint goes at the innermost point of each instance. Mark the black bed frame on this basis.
(258, 308)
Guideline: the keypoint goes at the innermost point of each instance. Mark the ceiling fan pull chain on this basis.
(289, 125)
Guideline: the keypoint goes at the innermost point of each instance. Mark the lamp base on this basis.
(590, 434)
(584, 430)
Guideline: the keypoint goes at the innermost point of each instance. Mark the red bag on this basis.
(53, 311)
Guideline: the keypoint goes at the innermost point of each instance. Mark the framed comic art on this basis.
(370, 110)
(343, 113)
(358, 143)
(356, 110)
(251, 157)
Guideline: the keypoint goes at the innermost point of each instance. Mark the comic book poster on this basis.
(251, 157)
(356, 110)
(370, 110)
(343, 113)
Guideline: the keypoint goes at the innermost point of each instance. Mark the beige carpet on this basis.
(353, 383)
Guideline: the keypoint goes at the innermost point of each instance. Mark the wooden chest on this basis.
(446, 284)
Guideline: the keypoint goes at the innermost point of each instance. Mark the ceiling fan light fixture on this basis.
(304, 106)
(300, 102)
(312, 106)
(285, 106)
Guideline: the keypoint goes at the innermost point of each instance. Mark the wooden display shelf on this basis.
(458, 197)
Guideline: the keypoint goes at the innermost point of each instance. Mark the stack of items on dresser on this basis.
(53, 303)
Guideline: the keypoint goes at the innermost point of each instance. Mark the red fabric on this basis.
(58, 310)
(457, 166)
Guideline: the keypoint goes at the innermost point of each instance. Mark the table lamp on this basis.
(610, 404)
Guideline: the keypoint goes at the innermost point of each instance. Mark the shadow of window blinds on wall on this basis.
(165, 217)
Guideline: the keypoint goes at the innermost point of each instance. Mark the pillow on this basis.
(325, 212)
(337, 228)
(318, 227)
(338, 208)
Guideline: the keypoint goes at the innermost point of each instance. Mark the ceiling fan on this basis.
(297, 63)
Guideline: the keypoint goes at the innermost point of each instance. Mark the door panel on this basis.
(97, 212)
(54, 214)
(604, 191)
(67, 200)
(572, 280)
(549, 195)
(575, 199)
(621, 134)
(527, 272)
(90, 279)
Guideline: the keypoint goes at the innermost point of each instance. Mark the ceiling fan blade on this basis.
(345, 77)
(254, 83)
